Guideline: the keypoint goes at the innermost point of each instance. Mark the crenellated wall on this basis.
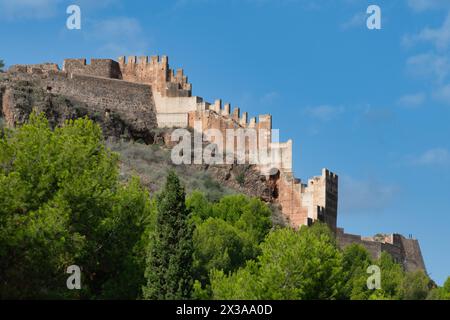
(155, 71)
(322, 192)
(136, 83)
(146, 93)
(133, 102)
(404, 251)
(34, 68)
(105, 68)
(302, 204)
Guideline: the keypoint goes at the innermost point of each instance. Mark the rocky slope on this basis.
(147, 158)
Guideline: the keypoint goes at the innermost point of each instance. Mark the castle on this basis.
(146, 94)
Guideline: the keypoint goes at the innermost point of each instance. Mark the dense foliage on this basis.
(292, 265)
(440, 293)
(169, 263)
(62, 203)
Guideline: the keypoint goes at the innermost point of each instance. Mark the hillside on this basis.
(152, 162)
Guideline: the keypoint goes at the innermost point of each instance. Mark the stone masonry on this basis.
(147, 94)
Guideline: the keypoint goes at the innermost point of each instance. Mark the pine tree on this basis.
(169, 260)
(2, 64)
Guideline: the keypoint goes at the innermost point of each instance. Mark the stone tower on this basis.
(320, 197)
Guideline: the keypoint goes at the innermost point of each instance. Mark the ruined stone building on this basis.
(144, 93)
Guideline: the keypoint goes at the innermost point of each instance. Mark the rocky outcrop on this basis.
(63, 98)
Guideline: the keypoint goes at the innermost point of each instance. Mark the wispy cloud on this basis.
(413, 100)
(324, 112)
(429, 65)
(439, 37)
(305, 4)
(357, 20)
(442, 94)
(28, 9)
(377, 114)
(423, 5)
(269, 98)
(432, 157)
(365, 196)
(433, 65)
(118, 36)
(44, 9)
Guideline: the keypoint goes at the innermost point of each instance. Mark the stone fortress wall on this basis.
(403, 250)
(87, 84)
(147, 93)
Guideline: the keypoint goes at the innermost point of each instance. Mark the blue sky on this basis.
(371, 105)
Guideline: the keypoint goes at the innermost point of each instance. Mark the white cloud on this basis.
(365, 196)
(429, 65)
(436, 156)
(305, 4)
(412, 100)
(423, 5)
(117, 27)
(43, 9)
(324, 112)
(89, 4)
(118, 36)
(439, 37)
(377, 114)
(357, 20)
(435, 64)
(442, 94)
(28, 9)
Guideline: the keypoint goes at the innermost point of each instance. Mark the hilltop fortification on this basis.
(137, 95)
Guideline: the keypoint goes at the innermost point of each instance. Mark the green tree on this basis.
(356, 260)
(228, 233)
(125, 245)
(435, 294)
(249, 215)
(303, 264)
(255, 220)
(240, 285)
(446, 289)
(230, 208)
(392, 276)
(169, 263)
(440, 293)
(199, 206)
(2, 64)
(415, 285)
(219, 245)
(62, 204)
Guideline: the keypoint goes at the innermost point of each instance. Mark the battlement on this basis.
(154, 70)
(34, 68)
(146, 94)
(322, 191)
(404, 251)
(106, 68)
(330, 176)
(240, 118)
(162, 62)
(176, 107)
